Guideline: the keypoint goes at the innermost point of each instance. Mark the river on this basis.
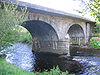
(91, 64)
(21, 55)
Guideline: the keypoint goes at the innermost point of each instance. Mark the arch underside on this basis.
(41, 31)
(76, 34)
(44, 36)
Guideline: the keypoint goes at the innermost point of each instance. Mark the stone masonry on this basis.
(64, 26)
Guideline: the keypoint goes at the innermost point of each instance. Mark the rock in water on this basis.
(46, 61)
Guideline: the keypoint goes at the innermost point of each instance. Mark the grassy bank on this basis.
(9, 69)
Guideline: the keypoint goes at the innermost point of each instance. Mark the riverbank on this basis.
(9, 69)
(84, 51)
(20, 54)
(80, 64)
(88, 57)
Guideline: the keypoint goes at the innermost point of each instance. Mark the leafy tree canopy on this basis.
(9, 17)
(93, 6)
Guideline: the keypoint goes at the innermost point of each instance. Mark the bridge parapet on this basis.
(59, 47)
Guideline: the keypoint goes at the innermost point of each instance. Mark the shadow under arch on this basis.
(76, 34)
(42, 33)
(41, 30)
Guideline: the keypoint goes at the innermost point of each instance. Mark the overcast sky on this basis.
(63, 5)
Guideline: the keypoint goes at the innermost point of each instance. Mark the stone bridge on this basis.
(54, 31)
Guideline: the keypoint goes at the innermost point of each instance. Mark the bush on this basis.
(2, 56)
(55, 71)
(94, 44)
(9, 17)
(18, 34)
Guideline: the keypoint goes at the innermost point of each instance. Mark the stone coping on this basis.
(48, 11)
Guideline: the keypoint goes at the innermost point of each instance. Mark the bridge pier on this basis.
(59, 47)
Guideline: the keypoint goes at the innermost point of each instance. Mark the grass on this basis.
(9, 69)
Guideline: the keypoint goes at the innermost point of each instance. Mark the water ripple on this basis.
(21, 55)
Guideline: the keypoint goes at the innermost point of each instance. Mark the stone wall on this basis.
(61, 26)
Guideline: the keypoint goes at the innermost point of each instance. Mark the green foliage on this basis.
(94, 44)
(2, 56)
(55, 71)
(94, 7)
(22, 35)
(9, 17)
(97, 27)
(9, 69)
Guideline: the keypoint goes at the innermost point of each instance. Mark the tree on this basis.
(9, 17)
(92, 7)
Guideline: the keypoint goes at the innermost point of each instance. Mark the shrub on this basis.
(22, 35)
(55, 71)
(9, 17)
(94, 44)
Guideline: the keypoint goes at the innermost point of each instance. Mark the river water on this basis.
(21, 55)
(91, 64)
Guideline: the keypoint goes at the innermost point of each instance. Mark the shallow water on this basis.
(21, 55)
(91, 64)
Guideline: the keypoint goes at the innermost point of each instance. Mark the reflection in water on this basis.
(21, 55)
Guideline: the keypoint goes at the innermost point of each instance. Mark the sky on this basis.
(63, 5)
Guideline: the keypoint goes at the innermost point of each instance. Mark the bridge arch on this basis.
(76, 34)
(41, 30)
(43, 34)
